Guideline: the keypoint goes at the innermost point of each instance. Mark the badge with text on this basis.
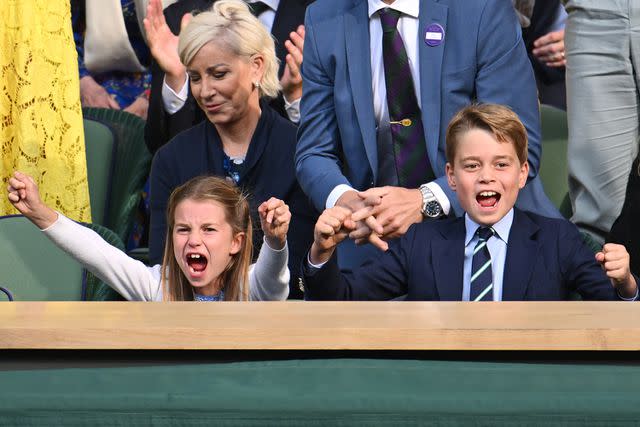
(434, 36)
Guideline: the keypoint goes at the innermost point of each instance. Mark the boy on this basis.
(495, 252)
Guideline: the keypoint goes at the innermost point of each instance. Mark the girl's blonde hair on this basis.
(235, 277)
(230, 23)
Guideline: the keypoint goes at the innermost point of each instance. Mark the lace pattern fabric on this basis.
(41, 129)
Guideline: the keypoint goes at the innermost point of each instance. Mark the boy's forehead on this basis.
(479, 142)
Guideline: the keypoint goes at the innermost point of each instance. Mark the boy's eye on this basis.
(502, 165)
(470, 166)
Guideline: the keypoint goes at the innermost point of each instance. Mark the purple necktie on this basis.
(409, 148)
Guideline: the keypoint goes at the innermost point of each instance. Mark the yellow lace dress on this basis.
(41, 129)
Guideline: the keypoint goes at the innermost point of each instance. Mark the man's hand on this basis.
(549, 49)
(24, 196)
(332, 227)
(94, 95)
(274, 220)
(163, 44)
(614, 259)
(139, 107)
(291, 80)
(394, 208)
(366, 228)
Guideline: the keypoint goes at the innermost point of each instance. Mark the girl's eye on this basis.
(209, 229)
(182, 230)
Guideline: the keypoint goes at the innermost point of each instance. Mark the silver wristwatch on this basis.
(430, 206)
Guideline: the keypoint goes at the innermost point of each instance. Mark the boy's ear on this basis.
(524, 173)
(236, 243)
(451, 179)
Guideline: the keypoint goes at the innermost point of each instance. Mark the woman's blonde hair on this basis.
(230, 23)
(235, 277)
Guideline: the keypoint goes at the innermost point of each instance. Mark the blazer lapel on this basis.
(447, 252)
(430, 59)
(522, 251)
(356, 29)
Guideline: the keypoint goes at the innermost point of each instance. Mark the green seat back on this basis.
(32, 267)
(553, 165)
(131, 166)
(99, 147)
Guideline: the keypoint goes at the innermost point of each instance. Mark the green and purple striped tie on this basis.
(409, 148)
(481, 273)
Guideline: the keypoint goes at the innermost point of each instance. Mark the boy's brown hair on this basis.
(498, 120)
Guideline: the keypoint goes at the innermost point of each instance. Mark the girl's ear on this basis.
(237, 243)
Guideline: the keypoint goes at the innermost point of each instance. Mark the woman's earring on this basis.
(256, 85)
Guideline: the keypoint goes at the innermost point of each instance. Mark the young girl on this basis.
(208, 253)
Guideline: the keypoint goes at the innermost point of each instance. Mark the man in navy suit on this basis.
(494, 252)
(458, 52)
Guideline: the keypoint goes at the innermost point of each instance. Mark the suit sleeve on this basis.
(318, 166)
(504, 72)
(379, 279)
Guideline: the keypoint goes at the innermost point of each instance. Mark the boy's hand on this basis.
(333, 226)
(614, 259)
(274, 220)
(23, 194)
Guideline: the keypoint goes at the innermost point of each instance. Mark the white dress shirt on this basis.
(408, 27)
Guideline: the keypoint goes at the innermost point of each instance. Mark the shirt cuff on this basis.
(264, 242)
(440, 196)
(171, 100)
(313, 266)
(635, 297)
(293, 109)
(335, 194)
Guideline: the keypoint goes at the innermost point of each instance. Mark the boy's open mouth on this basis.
(488, 199)
(197, 262)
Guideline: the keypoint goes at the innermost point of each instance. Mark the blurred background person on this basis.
(42, 131)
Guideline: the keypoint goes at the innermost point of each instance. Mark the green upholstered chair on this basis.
(553, 165)
(33, 268)
(100, 150)
(131, 166)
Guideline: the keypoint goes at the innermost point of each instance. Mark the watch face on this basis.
(433, 209)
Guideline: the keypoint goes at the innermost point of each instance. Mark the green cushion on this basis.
(33, 268)
(553, 164)
(130, 168)
(99, 147)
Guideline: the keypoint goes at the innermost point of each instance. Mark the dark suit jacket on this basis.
(161, 127)
(269, 172)
(546, 261)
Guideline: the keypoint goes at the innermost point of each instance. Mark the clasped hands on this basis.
(372, 216)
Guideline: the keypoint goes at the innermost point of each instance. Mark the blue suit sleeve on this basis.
(318, 165)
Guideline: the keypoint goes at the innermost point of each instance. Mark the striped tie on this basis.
(409, 148)
(481, 277)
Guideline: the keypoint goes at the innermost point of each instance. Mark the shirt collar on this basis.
(273, 4)
(407, 7)
(501, 227)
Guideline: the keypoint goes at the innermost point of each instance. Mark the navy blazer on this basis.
(482, 58)
(161, 126)
(268, 172)
(546, 260)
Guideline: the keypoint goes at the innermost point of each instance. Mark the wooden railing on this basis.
(321, 325)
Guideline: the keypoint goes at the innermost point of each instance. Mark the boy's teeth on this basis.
(488, 193)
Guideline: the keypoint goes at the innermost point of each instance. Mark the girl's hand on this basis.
(274, 220)
(23, 194)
